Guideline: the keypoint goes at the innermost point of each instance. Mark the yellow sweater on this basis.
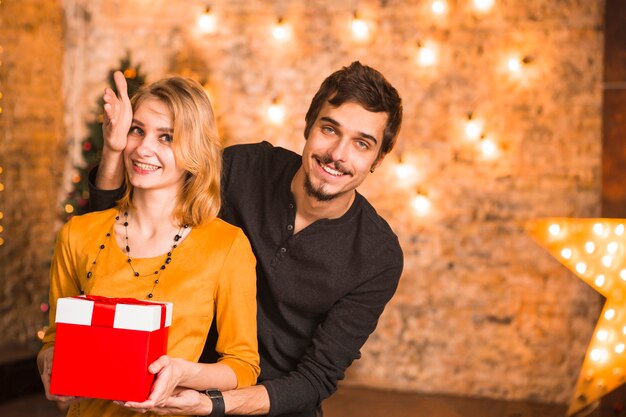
(212, 270)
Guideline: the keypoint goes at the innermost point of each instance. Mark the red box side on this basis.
(104, 362)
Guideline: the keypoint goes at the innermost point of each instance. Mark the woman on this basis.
(163, 242)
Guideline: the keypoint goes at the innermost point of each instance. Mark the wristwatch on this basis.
(219, 408)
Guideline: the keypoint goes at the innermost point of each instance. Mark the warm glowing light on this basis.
(439, 7)
(276, 112)
(554, 229)
(589, 250)
(421, 204)
(1, 186)
(426, 55)
(514, 64)
(598, 355)
(609, 314)
(360, 28)
(473, 128)
(483, 5)
(598, 229)
(207, 22)
(405, 171)
(602, 335)
(488, 148)
(619, 229)
(281, 31)
(69, 208)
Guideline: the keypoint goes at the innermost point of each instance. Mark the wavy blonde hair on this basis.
(196, 146)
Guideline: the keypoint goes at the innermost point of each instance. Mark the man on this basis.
(326, 262)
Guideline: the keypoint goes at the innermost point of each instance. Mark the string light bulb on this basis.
(603, 268)
(405, 171)
(515, 64)
(483, 5)
(473, 127)
(426, 54)
(360, 28)
(281, 31)
(421, 203)
(488, 148)
(207, 21)
(276, 112)
(439, 7)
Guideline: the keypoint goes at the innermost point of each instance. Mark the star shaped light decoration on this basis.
(595, 250)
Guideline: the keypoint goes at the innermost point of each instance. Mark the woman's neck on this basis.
(150, 225)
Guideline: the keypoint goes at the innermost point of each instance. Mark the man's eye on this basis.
(328, 129)
(362, 144)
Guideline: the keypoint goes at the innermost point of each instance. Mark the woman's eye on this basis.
(134, 130)
(167, 138)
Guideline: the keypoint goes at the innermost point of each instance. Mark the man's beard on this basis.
(317, 193)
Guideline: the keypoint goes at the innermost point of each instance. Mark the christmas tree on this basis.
(91, 147)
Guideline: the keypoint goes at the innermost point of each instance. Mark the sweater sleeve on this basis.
(102, 199)
(63, 279)
(236, 313)
(335, 345)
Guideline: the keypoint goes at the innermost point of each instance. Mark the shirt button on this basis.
(290, 206)
(283, 250)
(290, 227)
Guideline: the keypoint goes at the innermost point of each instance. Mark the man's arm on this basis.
(243, 402)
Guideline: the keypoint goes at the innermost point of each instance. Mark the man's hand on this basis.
(118, 115)
(182, 402)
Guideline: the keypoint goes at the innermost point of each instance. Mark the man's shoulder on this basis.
(374, 221)
(257, 151)
(250, 165)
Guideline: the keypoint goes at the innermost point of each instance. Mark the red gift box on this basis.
(104, 345)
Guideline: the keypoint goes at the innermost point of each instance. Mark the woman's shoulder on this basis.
(89, 222)
(221, 228)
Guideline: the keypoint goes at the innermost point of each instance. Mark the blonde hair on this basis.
(196, 146)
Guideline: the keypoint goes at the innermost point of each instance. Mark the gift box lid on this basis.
(120, 313)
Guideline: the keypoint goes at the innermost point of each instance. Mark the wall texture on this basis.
(481, 310)
(32, 155)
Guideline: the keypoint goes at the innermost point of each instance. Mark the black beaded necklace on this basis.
(137, 274)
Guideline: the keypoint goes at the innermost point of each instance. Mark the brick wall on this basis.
(32, 155)
(481, 310)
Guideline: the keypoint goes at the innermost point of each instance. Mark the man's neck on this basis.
(309, 209)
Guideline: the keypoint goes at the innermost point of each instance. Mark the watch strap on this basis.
(219, 408)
